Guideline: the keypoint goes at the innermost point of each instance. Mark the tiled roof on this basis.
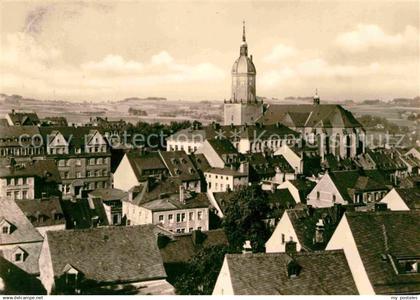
(172, 202)
(10, 136)
(24, 118)
(180, 165)
(76, 136)
(348, 182)
(31, 256)
(222, 146)
(147, 161)
(108, 194)
(200, 162)
(382, 233)
(45, 169)
(22, 230)
(108, 254)
(304, 223)
(321, 273)
(386, 159)
(411, 197)
(18, 282)
(182, 248)
(226, 171)
(304, 187)
(45, 212)
(306, 115)
(80, 215)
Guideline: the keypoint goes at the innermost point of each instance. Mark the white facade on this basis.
(17, 188)
(394, 201)
(177, 220)
(283, 233)
(187, 145)
(292, 158)
(343, 239)
(222, 183)
(124, 176)
(214, 160)
(325, 193)
(223, 284)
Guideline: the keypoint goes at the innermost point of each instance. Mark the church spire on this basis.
(316, 97)
(243, 31)
(244, 45)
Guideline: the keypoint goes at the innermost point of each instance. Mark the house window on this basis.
(183, 217)
(68, 163)
(18, 257)
(91, 161)
(5, 229)
(191, 216)
(318, 194)
(61, 163)
(161, 218)
(283, 238)
(190, 229)
(178, 218)
(170, 218)
(199, 215)
(334, 198)
(24, 194)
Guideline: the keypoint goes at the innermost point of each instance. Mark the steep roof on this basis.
(304, 223)
(411, 197)
(307, 115)
(108, 254)
(45, 212)
(24, 118)
(387, 233)
(10, 135)
(145, 161)
(183, 247)
(75, 136)
(321, 273)
(222, 146)
(108, 194)
(172, 202)
(45, 169)
(180, 165)
(22, 230)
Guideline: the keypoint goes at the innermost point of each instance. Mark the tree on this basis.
(244, 218)
(201, 272)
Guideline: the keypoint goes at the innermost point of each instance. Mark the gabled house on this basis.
(299, 188)
(180, 165)
(167, 203)
(219, 153)
(310, 273)
(294, 158)
(20, 242)
(382, 250)
(22, 118)
(135, 168)
(348, 187)
(44, 214)
(33, 179)
(307, 229)
(106, 260)
(402, 199)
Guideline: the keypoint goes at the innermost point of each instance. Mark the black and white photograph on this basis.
(209, 147)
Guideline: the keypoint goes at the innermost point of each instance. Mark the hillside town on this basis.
(275, 200)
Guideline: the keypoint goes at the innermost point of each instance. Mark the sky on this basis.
(106, 51)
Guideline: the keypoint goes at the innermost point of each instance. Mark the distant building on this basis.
(169, 204)
(308, 229)
(21, 142)
(22, 118)
(44, 214)
(20, 242)
(382, 250)
(29, 180)
(106, 260)
(348, 187)
(54, 121)
(82, 156)
(403, 199)
(314, 273)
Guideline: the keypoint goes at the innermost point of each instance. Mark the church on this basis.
(334, 129)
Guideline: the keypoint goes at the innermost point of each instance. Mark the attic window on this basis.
(409, 266)
(5, 229)
(18, 257)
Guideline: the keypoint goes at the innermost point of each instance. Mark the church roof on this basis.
(243, 65)
(308, 115)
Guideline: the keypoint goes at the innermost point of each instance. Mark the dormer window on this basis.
(19, 255)
(6, 227)
(408, 266)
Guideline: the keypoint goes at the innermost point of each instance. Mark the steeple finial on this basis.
(243, 31)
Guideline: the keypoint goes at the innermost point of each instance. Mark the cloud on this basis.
(279, 52)
(371, 36)
(41, 70)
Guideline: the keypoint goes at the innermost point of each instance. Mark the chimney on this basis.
(247, 248)
(290, 247)
(380, 206)
(244, 167)
(13, 111)
(182, 194)
(198, 237)
(293, 269)
(319, 232)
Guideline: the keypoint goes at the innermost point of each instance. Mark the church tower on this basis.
(243, 75)
(243, 107)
